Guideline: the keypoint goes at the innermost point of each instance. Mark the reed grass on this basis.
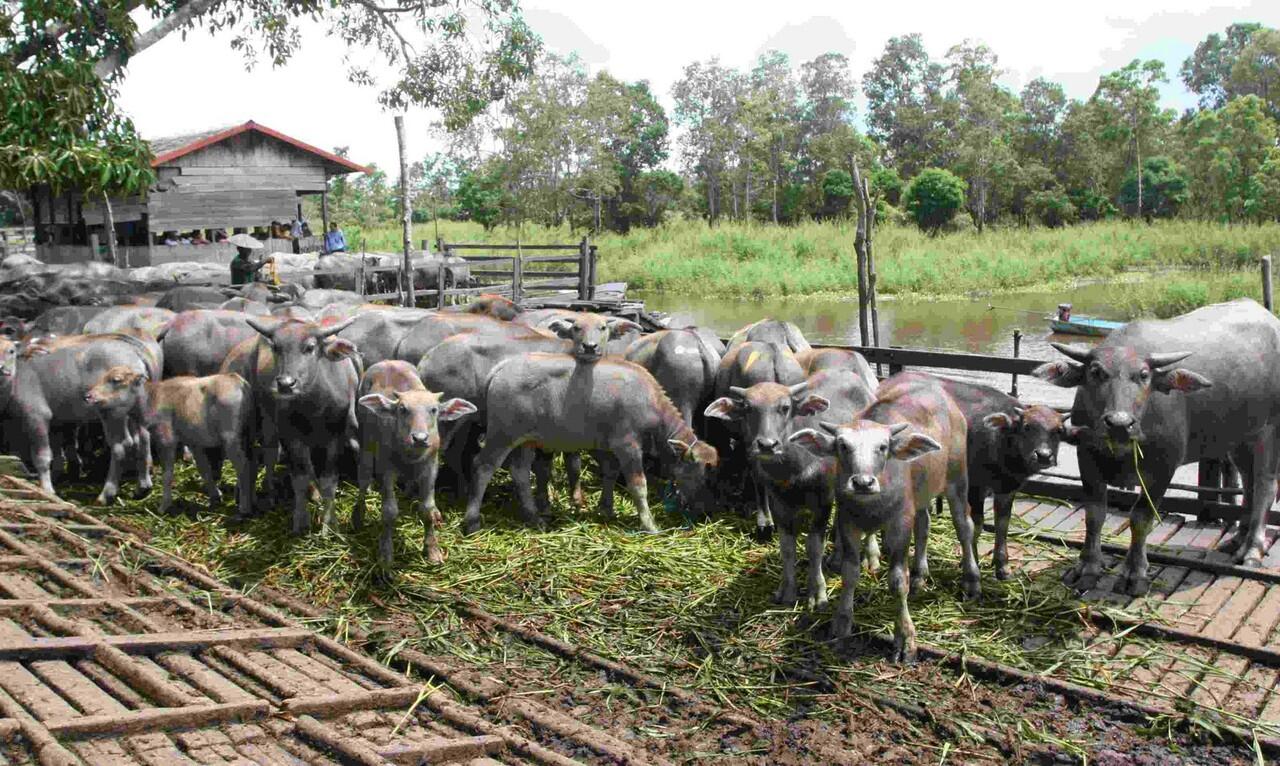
(757, 260)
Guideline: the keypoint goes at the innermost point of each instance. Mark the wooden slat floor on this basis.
(1233, 608)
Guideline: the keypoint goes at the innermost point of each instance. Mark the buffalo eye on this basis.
(883, 448)
(1145, 375)
(784, 407)
(309, 347)
(1097, 372)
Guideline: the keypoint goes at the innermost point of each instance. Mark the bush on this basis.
(933, 197)
(837, 193)
(1052, 208)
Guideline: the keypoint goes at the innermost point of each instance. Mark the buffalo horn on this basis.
(738, 391)
(798, 388)
(266, 328)
(1164, 360)
(831, 428)
(898, 428)
(334, 329)
(1075, 352)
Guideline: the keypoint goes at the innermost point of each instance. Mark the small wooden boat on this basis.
(1068, 324)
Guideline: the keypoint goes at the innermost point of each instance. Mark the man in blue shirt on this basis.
(335, 241)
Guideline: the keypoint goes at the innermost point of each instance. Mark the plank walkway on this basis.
(113, 654)
(1212, 629)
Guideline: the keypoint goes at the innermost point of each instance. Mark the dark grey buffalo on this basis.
(1007, 444)
(428, 332)
(377, 333)
(190, 297)
(783, 334)
(196, 342)
(1202, 386)
(794, 477)
(304, 383)
(51, 382)
(622, 333)
(400, 436)
(561, 404)
(744, 365)
(907, 448)
(63, 320)
(682, 363)
(130, 319)
(495, 306)
(821, 358)
(319, 298)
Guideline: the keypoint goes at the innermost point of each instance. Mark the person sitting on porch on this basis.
(170, 238)
(335, 241)
(295, 229)
(197, 238)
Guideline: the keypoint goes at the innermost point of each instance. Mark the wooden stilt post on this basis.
(440, 287)
(406, 213)
(324, 212)
(1267, 297)
(584, 270)
(860, 248)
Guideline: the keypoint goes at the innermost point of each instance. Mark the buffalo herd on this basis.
(318, 381)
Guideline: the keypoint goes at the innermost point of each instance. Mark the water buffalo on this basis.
(212, 416)
(1007, 444)
(428, 332)
(304, 382)
(683, 364)
(559, 403)
(245, 306)
(783, 334)
(196, 342)
(794, 477)
(318, 299)
(819, 358)
(495, 306)
(743, 366)
(400, 436)
(131, 319)
(377, 333)
(63, 320)
(905, 449)
(349, 265)
(50, 384)
(1195, 387)
(620, 336)
(190, 297)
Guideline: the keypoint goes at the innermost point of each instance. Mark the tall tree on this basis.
(905, 109)
(1129, 106)
(1226, 148)
(1207, 72)
(982, 110)
(708, 100)
(774, 98)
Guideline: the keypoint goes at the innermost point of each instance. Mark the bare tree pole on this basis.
(109, 218)
(406, 212)
(864, 194)
(860, 247)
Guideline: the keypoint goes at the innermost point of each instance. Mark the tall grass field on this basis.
(757, 260)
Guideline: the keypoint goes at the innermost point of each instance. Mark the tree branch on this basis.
(377, 11)
(181, 17)
(51, 35)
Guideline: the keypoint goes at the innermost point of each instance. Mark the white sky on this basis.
(187, 85)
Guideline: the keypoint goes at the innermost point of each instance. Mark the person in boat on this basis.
(1064, 312)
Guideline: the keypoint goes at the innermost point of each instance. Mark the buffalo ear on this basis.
(724, 408)
(1179, 379)
(812, 405)
(1062, 374)
(998, 421)
(912, 446)
(456, 408)
(620, 327)
(377, 403)
(814, 441)
(681, 449)
(562, 327)
(337, 349)
(1074, 435)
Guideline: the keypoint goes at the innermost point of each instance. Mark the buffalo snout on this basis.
(1121, 425)
(1044, 456)
(864, 484)
(767, 446)
(286, 384)
(420, 438)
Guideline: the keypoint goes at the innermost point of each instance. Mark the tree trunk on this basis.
(185, 14)
(775, 186)
(109, 218)
(406, 213)
(982, 205)
(1137, 150)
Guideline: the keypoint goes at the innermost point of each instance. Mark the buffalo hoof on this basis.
(842, 626)
(1135, 586)
(1081, 577)
(784, 596)
(972, 590)
(470, 527)
(105, 499)
(904, 655)
(435, 555)
(817, 601)
(1002, 572)
(1252, 560)
(579, 497)
(764, 534)
(831, 564)
(141, 492)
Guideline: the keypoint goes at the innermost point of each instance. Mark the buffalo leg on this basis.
(431, 519)
(920, 564)
(786, 593)
(631, 463)
(814, 542)
(871, 552)
(904, 631)
(142, 442)
(1257, 464)
(270, 456)
(1141, 519)
(573, 474)
(850, 539)
(977, 512)
(168, 456)
(390, 510)
(970, 581)
(209, 470)
(242, 463)
(541, 467)
(41, 451)
(764, 514)
(364, 475)
(1086, 571)
(300, 476)
(608, 482)
(1000, 554)
(521, 464)
(495, 450)
(328, 481)
(117, 433)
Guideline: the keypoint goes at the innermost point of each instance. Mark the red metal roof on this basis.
(200, 141)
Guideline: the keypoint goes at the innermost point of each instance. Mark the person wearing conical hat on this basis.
(243, 268)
